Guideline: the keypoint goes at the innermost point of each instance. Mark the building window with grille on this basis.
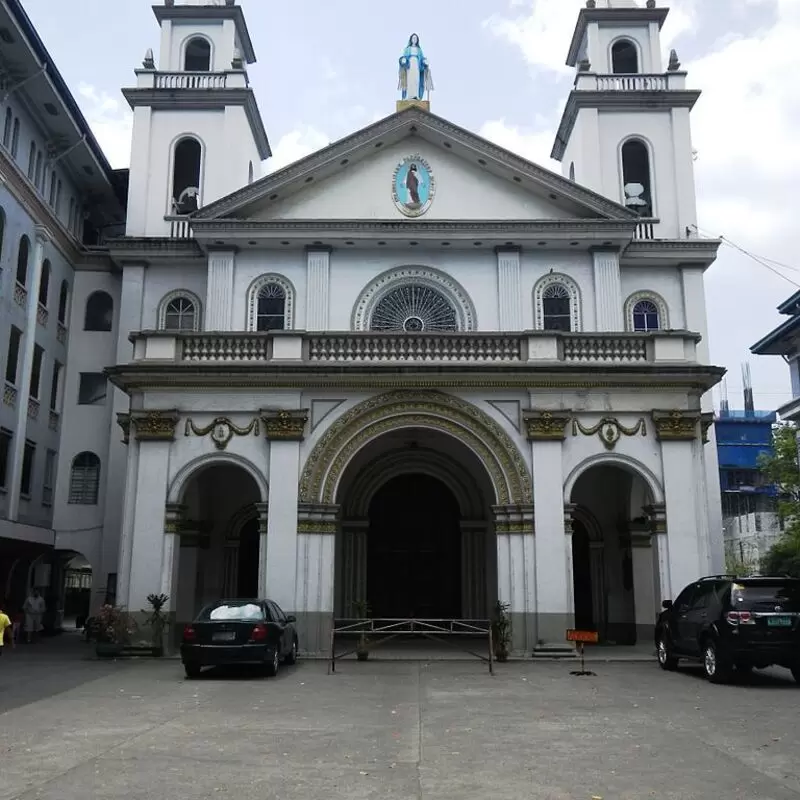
(180, 311)
(84, 479)
(27, 469)
(646, 312)
(645, 316)
(92, 389)
(414, 308)
(557, 304)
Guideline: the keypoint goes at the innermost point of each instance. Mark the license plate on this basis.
(779, 622)
(224, 636)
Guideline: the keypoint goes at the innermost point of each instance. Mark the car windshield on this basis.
(766, 596)
(232, 611)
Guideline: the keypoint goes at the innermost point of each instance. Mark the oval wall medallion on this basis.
(413, 186)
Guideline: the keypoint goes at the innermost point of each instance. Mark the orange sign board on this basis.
(590, 637)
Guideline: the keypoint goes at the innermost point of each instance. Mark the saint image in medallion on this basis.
(413, 186)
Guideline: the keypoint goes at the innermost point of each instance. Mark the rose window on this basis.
(414, 309)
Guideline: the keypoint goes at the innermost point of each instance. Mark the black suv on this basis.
(731, 623)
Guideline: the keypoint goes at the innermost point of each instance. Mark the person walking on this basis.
(34, 609)
(5, 630)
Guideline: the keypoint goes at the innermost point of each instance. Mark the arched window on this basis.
(15, 139)
(44, 283)
(63, 298)
(22, 260)
(7, 128)
(557, 304)
(414, 308)
(624, 58)
(636, 177)
(197, 57)
(84, 479)
(645, 312)
(99, 312)
(179, 311)
(186, 176)
(271, 303)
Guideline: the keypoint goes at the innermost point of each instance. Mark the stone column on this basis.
(644, 591)
(678, 433)
(192, 541)
(24, 371)
(609, 313)
(218, 313)
(317, 289)
(353, 569)
(128, 506)
(317, 527)
(263, 544)
(546, 431)
(509, 289)
(657, 521)
(473, 570)
(174, 515)
(569, 510)
(154, 432)
(278, 565)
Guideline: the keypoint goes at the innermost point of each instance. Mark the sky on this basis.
(326, 69)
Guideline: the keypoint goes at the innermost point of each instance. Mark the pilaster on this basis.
(24, 379)
(218, 314)
(609, 314)
(174, 515)
(317, 291)
(509, 289)
(353, 561)
(657, 522)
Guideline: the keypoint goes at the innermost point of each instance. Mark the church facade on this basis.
(411, 370)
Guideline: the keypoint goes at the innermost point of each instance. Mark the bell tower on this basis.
(197, 130)
(625, 132)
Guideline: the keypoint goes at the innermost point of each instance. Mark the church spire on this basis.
(415, 81)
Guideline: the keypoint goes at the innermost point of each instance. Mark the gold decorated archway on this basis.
(366, 421)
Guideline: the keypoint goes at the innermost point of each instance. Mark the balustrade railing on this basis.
(599, 348)
(645, 229)
(632, 83)
(191, 80)
(179, 227)
(225, 347)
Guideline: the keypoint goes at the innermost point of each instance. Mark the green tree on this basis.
(781, 468)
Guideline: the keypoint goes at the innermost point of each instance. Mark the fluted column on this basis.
(218, 314)
(317, 291)
(509, 289)
(609, 315)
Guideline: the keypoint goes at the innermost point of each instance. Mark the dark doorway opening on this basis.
(414, 550)
(248, 560)
(582, 577)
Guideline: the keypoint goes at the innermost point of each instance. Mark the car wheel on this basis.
(273, 664)
(715, 665)
(292, 657)
(796, 672)
(666, 660)
(192, 670)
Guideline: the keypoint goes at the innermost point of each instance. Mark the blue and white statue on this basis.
(415, 72)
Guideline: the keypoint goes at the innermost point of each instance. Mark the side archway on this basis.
(502, 459)
(193, 468)
(626, 463)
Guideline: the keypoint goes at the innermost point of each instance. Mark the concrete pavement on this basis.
(444, 730)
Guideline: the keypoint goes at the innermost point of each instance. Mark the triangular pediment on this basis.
(459, 176)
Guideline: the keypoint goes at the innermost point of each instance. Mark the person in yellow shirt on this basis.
(5, 625)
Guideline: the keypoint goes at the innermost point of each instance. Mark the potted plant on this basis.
(362, 611)
(114, 627)
(157, 621)
(501, 631)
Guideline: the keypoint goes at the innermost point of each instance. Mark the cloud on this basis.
(295, 145)
(110, 121)
(533, 145)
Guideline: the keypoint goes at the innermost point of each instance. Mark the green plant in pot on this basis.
(362, 611)
(115, 627)
(157, 621)
(501, 631)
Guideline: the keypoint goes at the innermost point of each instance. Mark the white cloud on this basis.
(295, 145)
(111, 123)
(533, 145)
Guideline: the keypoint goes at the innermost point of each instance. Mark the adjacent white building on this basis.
(411, 369)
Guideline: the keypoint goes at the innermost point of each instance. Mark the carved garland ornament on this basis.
(222, 430)
(394, 410)
(610, 430)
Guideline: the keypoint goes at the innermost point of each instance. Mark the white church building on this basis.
(412, 369)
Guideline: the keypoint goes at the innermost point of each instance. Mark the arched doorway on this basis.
(220, 537)
(414, 550)
(614, 568)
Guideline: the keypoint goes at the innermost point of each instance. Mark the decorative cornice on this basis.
(394, 128)
(124, 422)
(546, 426)
(676, 426)
(660, 252)
(155, 425)
(222, 430)
(513, 519)
(657, 518)
(284, 424)
(610, 430)
(174, 514)
(318, 518)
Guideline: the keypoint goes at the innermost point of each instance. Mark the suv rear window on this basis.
(232, 611)
(766, 596)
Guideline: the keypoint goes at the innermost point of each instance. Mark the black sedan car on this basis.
(239, 632)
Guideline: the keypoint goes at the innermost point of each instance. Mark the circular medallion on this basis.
(413, 186)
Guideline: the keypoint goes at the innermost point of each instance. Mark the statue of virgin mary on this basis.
(415, 72)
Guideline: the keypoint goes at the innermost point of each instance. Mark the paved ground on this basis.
(389, 730)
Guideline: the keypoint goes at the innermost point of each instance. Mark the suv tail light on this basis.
(258, 634)
(740, 618)
(189, 634)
